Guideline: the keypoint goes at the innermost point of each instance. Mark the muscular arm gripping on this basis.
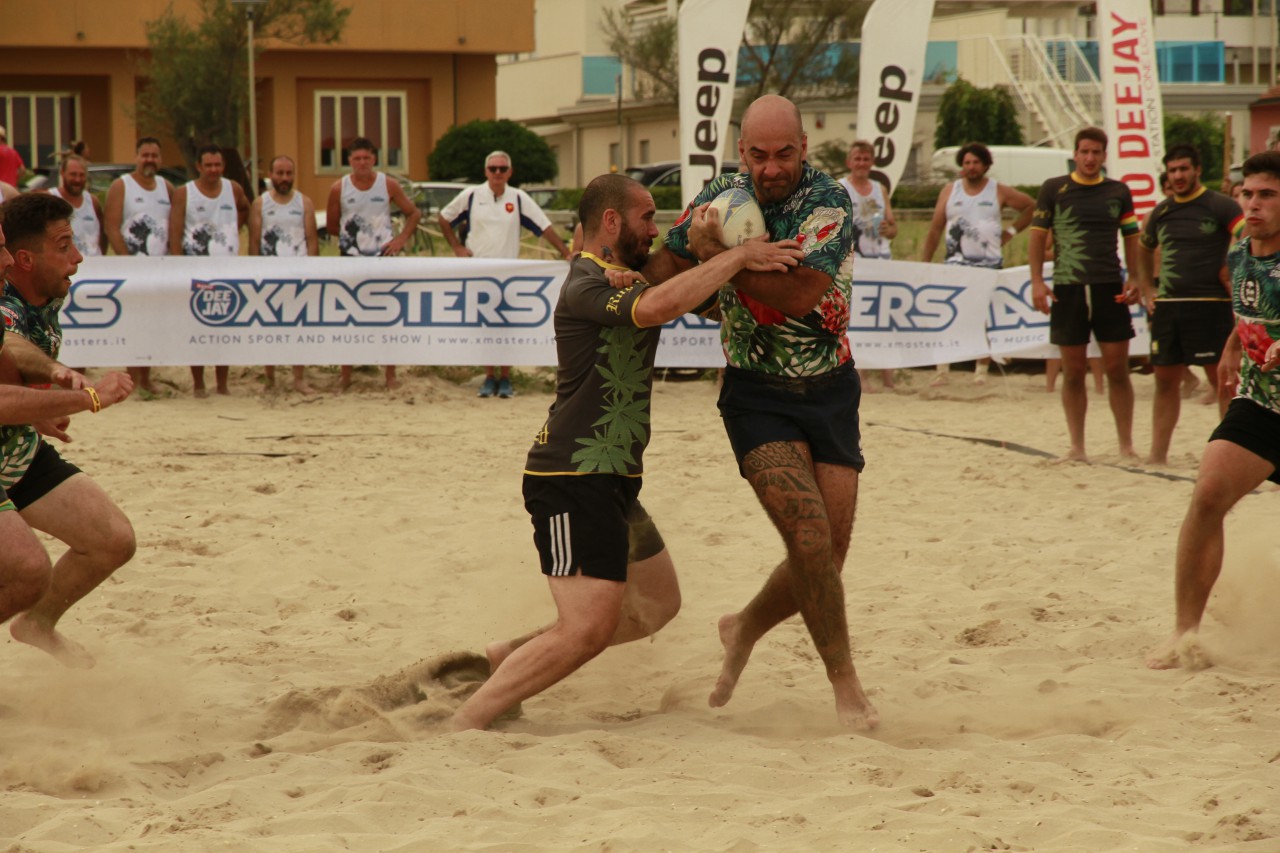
(684, 292)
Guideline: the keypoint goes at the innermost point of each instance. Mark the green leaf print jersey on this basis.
(599, 421)
(1084, 219)
(1193, 234)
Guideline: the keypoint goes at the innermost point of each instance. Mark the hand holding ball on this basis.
(740, 216)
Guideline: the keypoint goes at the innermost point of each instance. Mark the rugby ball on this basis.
(740, 216)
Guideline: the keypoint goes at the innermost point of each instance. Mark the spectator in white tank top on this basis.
(969, 211)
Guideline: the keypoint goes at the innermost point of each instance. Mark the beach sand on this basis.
(273, 674)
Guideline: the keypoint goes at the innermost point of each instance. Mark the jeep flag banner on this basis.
(462, 311)
(708, 34)
(895, 35)
(1132, 112)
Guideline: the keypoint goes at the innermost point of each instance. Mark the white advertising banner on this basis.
(906, 314)
(1015, 329)
(895, 36)
(253, 310)
(1132, 111)
(460, 311)
(708, 35)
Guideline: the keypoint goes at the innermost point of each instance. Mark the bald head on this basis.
(772, 114)
(772, 148)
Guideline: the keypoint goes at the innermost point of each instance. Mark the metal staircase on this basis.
(1051, 78)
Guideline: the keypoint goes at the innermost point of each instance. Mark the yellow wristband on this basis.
(93, 397)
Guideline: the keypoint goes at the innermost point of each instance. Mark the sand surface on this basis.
(270, 673)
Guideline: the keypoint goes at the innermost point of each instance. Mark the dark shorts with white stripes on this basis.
(584, 524)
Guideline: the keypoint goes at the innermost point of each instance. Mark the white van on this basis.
(1011, 164)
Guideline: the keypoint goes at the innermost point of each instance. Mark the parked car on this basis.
(667, 173)
(100, 176)
(430, 196)
(542, 195)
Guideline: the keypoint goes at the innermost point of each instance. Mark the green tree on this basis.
(970, 114)
(1206, 133)
(196, 90)
(830, 156)
(459, 155)
(802, 50)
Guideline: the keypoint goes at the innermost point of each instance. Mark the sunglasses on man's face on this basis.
(499, 169)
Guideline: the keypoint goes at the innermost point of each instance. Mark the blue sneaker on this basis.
(505, 390)
(489, 388)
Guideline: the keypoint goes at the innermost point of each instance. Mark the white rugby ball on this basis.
(740, 216)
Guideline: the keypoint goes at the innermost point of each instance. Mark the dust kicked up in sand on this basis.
(316, 576)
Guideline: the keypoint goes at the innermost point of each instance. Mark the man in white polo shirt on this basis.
(484, 221)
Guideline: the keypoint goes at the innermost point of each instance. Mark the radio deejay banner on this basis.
(451, 311)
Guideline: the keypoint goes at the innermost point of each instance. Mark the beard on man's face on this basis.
(633, 248)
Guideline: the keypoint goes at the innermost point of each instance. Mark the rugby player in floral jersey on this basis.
(790, 395)
(1244, 450)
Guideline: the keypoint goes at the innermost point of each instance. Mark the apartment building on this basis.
(1214, 56)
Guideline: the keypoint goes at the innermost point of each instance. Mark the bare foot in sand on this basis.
(736, 655)
(200, 393)
(1181, 650)
(1075, 454)
(853, 708)
(1129, 453)
(68, 652)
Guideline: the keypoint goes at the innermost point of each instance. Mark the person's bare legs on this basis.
(588, 610)
(1075, 399)
(268, 376)
(1220, 393)
(300, 380)
(812, 507)
(651, 600)
(1228, 472)
(1096, 368)
(392, 382)
(141, 377)
(941, 375)
(197, 382)
(1115, 362)
(1165, 408)
(980, 368)
(344, 377)
(890, 383)
(24, 566)
(99, 540)
(220, 376)
(1190, 382)
(1052, 367)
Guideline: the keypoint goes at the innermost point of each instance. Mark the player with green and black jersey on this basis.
(1084, 211)
(1191, 309)
(1244, 450)
(608, 570)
